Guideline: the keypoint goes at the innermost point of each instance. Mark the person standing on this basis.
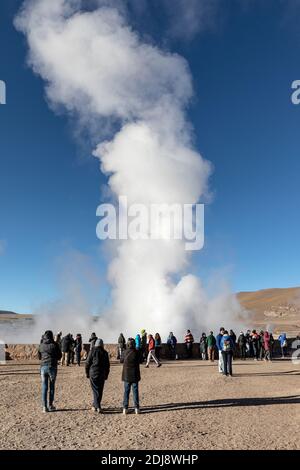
(49, 354)
(57, 338)
(267, 346)
(172, 342)
(189, 340)
(143, 345)
(78, 348)
(261, 345)
(121, 347)
(93, 340)
(97, 370)
(254, 341)
(218, 341)
(227, 347)
(66, 344)
(283, 344)
(157, 340)
(151, 352)
(131, 376)
(203, 347)
(233, 337)
(211, 344)
(242, 345)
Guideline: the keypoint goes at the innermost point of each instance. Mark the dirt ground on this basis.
(185, 405)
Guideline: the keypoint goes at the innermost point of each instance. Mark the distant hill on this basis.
(7, 315)
(277, 309)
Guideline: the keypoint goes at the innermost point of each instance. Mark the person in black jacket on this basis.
(97, 370)
(49, 353)
(66, 345)
(78, 348)
(131, 376)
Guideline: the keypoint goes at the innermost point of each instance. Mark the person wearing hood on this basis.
(143, 345)
(227, 348)
(172, 342)
(49, 354)
(121, 347)
(131, 376)
(283, 344)
(97, 370)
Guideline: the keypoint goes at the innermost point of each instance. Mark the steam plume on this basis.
(99, 70)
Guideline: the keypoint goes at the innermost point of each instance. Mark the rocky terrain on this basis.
(185, 405)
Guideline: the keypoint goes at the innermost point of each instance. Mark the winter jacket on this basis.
(131, 366)
(144, 341)
(172, 341)
(78, 344)
(66, 344)
(189, 338)
(97, 363)
(242, 340)
(267, 340)
(49, 353)
(203, 344)
(226, 338)
(157, 343)
(151, 344)
(122, 342)
(138, 342)
(211, 341)
(282, 340)
(218, 341)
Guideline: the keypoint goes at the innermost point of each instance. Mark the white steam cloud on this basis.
(97, 68)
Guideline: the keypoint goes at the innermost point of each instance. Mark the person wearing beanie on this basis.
(131, 376)
(49, 353)
(97, 370)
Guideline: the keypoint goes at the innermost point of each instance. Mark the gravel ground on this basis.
(185, 405)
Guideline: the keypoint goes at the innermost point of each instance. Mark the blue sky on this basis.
(243, 63)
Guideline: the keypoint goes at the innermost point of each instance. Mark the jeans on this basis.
(48, 374)
(78, 356)
(127, 388)
(97, 384)
(227, 361)
(243, 351)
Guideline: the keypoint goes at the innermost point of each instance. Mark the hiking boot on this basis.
(51, 408)
(137, 411)
(45, 409)
(125, 411)
(99, 410)
(94, 408)
(146, 366)
(159, 365)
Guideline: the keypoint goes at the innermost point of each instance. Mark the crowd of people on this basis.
(142, 349)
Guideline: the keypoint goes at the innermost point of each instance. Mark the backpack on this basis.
(227, 345)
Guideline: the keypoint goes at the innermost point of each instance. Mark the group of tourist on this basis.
(143, 348)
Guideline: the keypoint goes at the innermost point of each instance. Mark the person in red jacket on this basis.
(151, 352)
(189, 339)
(267, 346)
